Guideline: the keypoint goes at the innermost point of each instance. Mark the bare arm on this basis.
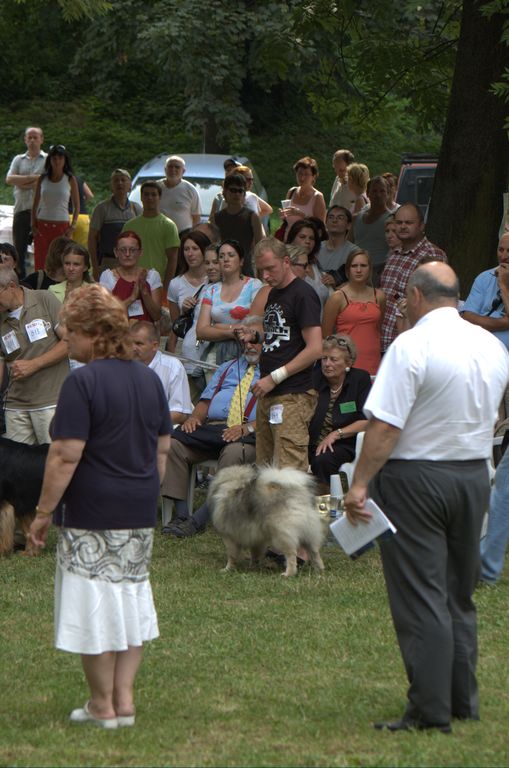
(152, 299)
(93, 240)
(319, 208)
(198, 416)
(75, 199)
(312, 351)
(87, 191)
(35, 205)
(382, 302)
(380, 440)
(195, 218)
(257, 228)
(488, 323)
(27, 181)
(205, 331)
(171, 266)
(333, 307)
(264, 207)
(349, 431)
(172, 339)
(213, 211)
(163, 447)
(63, 458)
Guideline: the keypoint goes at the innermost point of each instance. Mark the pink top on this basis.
(306, 209)
(361, 320)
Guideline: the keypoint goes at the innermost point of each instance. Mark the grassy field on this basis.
(250, 670)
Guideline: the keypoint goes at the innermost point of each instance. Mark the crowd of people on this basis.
(271, 347)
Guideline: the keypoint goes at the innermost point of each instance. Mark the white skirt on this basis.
(103, 598)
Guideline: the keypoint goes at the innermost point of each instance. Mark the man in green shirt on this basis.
(159, 236)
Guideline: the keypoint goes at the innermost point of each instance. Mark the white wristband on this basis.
(279, 375)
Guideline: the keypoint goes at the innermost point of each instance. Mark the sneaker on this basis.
(167, 530)
(185, 529)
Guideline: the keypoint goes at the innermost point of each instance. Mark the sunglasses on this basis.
(341, 343)
(236, 190)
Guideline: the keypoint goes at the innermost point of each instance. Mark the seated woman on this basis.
(342, 392)
(357, 309)
(226, 303)
(139, 290)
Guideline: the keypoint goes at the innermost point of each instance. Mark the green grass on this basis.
(250, 670)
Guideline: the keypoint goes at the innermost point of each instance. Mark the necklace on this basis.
(338, 390)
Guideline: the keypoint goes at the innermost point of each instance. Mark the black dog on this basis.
(21, 473)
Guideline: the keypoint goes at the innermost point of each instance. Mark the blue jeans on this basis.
(494, 544)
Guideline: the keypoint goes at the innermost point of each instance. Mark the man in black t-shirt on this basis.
(292, 342)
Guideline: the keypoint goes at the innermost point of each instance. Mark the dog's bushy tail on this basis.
(7, 526)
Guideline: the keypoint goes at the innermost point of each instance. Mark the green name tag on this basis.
(348, 407)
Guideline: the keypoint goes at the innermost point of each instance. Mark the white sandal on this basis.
(84, 715)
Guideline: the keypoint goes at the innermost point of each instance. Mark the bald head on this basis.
(503, 249)
(431, 286)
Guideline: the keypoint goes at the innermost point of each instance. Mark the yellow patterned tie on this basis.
(239, 399)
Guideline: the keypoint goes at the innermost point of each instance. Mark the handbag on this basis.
(184, 322)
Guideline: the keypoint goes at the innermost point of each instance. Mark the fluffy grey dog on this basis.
(255, 508)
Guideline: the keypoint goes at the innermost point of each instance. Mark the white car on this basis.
(6, 217)
(205, 172)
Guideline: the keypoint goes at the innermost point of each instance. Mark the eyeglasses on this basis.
(128, 251)
(236, 190)
(298, 264)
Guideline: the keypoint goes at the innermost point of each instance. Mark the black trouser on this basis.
(21, 227)
(431, 568)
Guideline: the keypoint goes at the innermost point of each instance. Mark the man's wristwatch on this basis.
(250, 429)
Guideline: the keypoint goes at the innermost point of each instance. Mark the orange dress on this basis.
(362, 321)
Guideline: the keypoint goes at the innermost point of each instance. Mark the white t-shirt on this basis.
(109, 280)
(180, 289)
(441, 383)
(174, 380)
(180, 203)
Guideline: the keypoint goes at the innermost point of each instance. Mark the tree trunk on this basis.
(466, 206)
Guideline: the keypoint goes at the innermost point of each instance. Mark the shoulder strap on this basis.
(292, 192)
(249, 408)
(221, 379)
(344, 294)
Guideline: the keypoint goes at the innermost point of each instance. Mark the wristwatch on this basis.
(250, 429)
(339, 433)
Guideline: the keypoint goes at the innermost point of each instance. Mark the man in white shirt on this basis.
(23, 174)
(432, 411)
(169, 369)
(179, 200)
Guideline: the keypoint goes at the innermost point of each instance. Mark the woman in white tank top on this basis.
(50, 209)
